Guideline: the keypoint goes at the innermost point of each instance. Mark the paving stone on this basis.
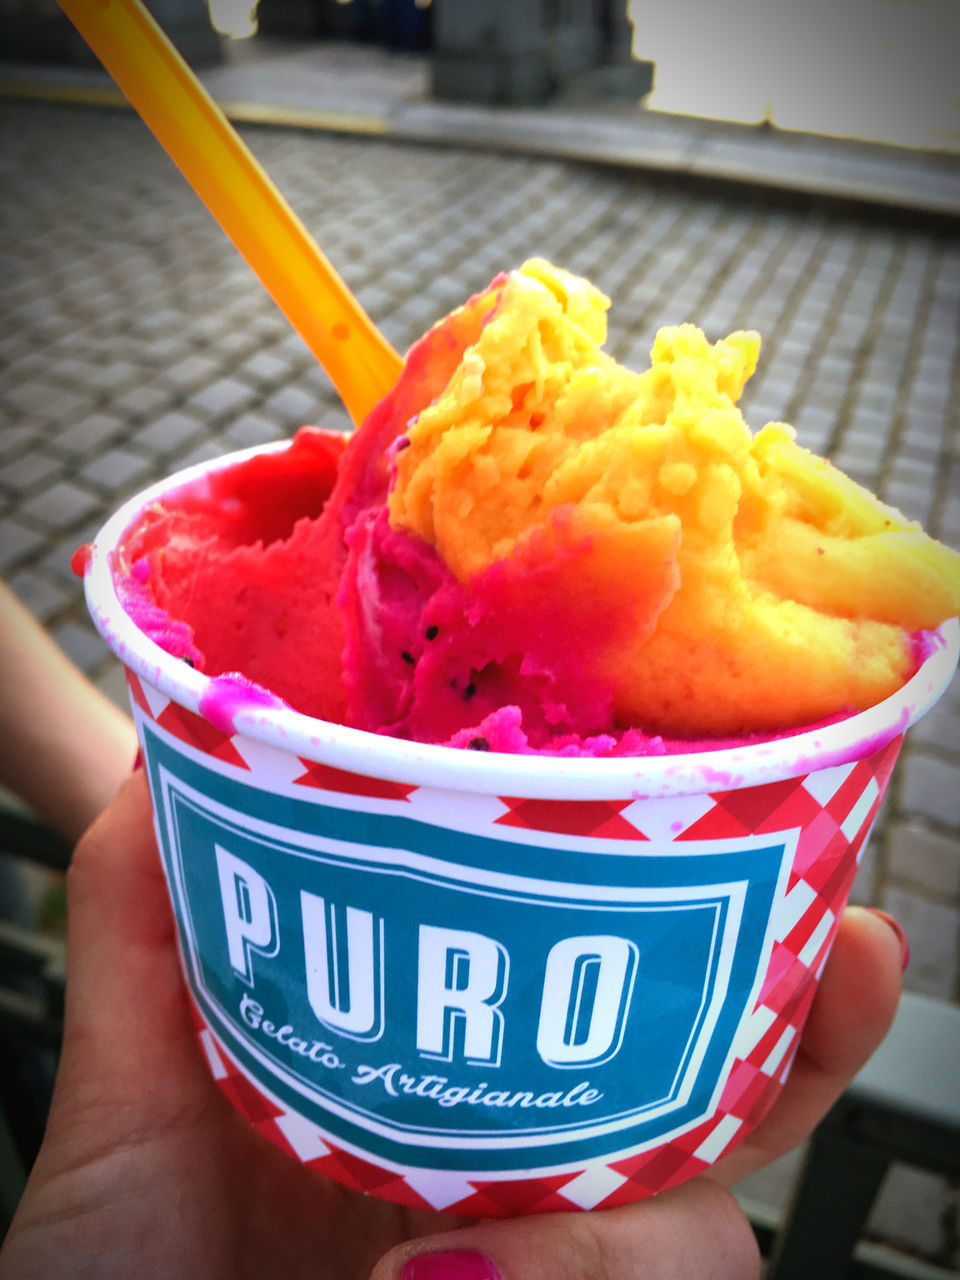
(940, 727)
(930, 788)
(13, 343)
(270, 327)
(933, 931)
(880, 398)
(398, 329)
(193, 370)
(908, 1212)
(69, 371)
(220, 398)
(635, 354)
(933, 370)
(315, 381)
(777, 385)
(81, 644)
(334, 417)
(859, 307)
(60, 506)
(805, 330)
(830, 381)
(950, 521)
(203, 452)
(250, 429)
(935, 399)
(814, 423)
(234, 345)
(13, 440)
(925, 859)
(29, 470)
(44, 402)
(17, 542)
(941, 340)
(162, 352)
(57, 559)
(928, 405)
(293, 347)
(918, 444)
(758, 411)
(166, 433)
(398, 281)
(857, 466)
(112, 682)
(107, 377)
(292, 405)
(28, 364)
(914, 500)
(42, 597)
(869, 423)
(115, 469)
(145, 400)
(266, 366)
(862, 436)
(88, 434)
(413, 317)
(159, 321)
(915, 470)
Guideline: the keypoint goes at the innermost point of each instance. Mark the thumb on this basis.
(688, 1231)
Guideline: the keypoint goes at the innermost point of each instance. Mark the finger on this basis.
(127, 1031)
(695, 1230)
(851, 1013)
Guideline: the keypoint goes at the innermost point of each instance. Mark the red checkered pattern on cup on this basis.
(833, 809)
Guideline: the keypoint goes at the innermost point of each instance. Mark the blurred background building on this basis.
(879, 70)
(883, 70)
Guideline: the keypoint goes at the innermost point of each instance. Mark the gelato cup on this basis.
(491, 984)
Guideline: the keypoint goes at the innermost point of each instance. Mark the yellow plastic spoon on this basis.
(222, 171)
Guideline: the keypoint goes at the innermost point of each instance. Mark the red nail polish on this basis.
(454, 1264)
(897, 928)
(138, 760)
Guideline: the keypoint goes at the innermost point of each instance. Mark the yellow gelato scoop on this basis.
(780, 591)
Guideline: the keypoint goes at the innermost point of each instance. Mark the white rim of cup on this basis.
(500, 773)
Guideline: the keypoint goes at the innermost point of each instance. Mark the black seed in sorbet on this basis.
(432, 632)
(189, 661)
(408, 657)
(478, 744)
(469, 691)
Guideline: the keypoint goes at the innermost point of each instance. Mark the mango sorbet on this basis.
(530, 547)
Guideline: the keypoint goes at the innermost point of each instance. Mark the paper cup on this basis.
(491, 984)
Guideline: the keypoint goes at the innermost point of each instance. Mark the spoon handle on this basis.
(222, 171)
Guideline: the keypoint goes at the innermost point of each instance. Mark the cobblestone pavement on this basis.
(135, 341)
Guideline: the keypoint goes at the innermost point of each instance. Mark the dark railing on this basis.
(32, 978)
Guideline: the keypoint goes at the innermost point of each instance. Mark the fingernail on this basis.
(455, 1264)
(897, 928)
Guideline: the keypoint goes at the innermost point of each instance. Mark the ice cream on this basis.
(528, 546)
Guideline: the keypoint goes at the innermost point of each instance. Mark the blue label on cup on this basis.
(460, 1000)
